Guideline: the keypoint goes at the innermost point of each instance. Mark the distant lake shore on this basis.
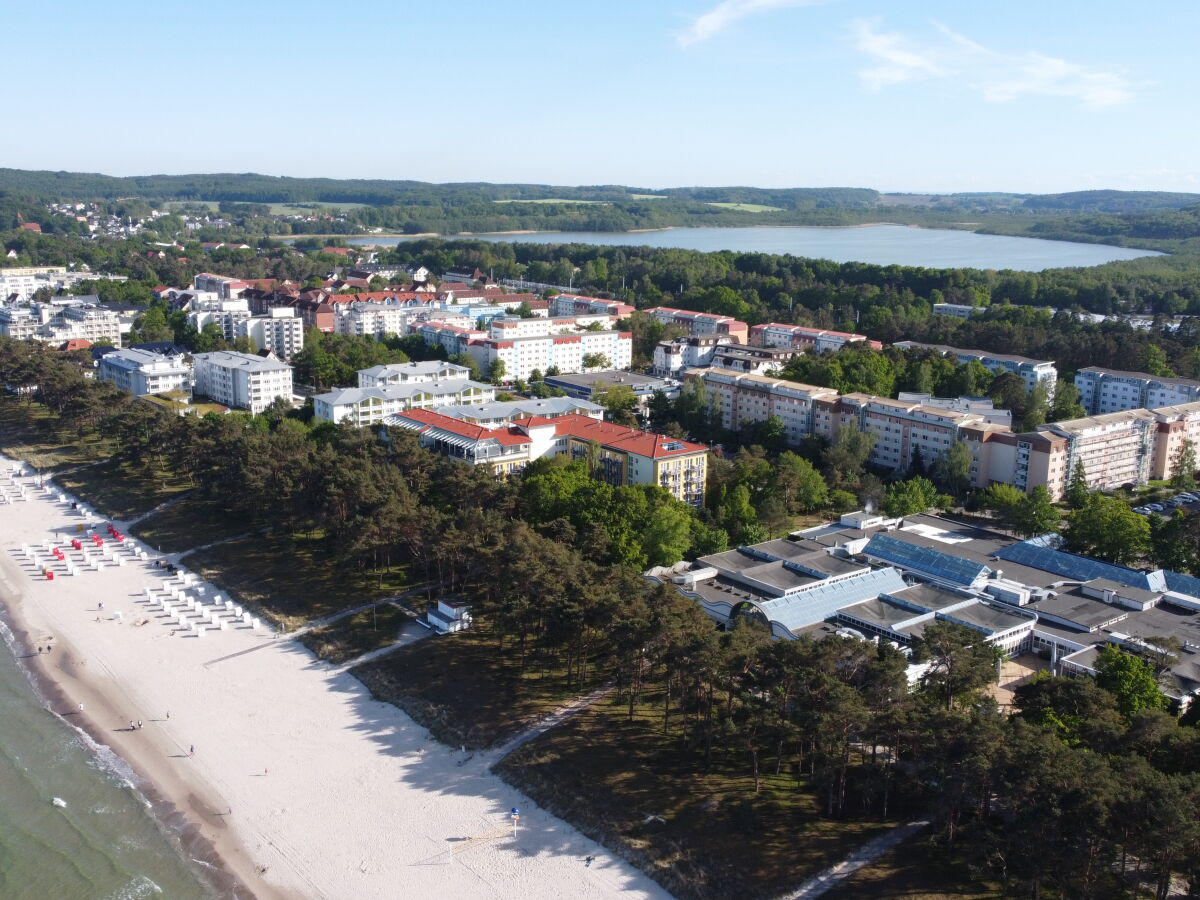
(875, 244)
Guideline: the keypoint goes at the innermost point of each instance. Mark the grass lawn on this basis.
(360, 633)
(463, 690)
(717, 839)
(24, 434)
(290, 578)
(287, 209)
(192, 522)
(915, 870)
(119, 490)
(747, 207)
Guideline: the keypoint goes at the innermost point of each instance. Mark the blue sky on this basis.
(918, 95)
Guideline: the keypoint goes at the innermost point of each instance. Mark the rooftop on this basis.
(629, 440)
(230, 360)
(1140, 376)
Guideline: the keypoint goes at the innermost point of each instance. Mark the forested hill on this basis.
(254, 188)
(262, 204)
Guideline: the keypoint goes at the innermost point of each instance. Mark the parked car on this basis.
(1156, 507)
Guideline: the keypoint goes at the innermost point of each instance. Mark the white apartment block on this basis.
(742, 399)
(141, 372)
(451, 338)
(371, 405)
(241, 380)
(281, 332)
(378, 322)
(411, 373)
(1109, 390)
(817, 340)
(673, 357)
(699, 324)
(21, 283)
(1032, 371)
(508, 327)
(226, 288)
(54, 324)
(575, 305)
(521, 356)
(904, 429)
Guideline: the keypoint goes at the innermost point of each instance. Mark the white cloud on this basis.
(997, 77)
(727, 12)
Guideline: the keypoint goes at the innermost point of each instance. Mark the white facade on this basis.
(26, 281)
(509, 327)
(241, 380)
(672, 357)
(281, 332)
(521, 356)
(411, 373)
(1109, 390)
(371, 405)
(141, 372)
(54, 324)
(1032, 371)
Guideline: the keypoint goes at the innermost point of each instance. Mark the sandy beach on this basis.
(300, 785)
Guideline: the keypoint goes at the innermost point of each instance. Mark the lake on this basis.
(902, 245)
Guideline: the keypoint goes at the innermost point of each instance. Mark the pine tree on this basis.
(1077, 487)
(1183, 467)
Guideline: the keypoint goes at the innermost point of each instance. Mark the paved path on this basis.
(129, 523)
(557, 717)
(867, 853)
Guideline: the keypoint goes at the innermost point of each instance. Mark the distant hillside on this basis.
(1110, 201)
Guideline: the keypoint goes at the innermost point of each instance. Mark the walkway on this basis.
(557, 717)
(867, 853)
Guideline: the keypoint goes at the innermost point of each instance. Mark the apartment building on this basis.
(502, 413)
(450, 338)
(816, 340)
(224, 287)
(20, 283)
(1032, 371)
(141, 372)
(1129, 447)
(566, 352)
(576, 305)
(1110, 390)
(240, 380)
(674, 356)
(699, 324)
(378, 322)
(741, 399)
(508, 327)
(281, 330)
(903, 430)
(371, 405)
(54, 323)
(622, 456)
(411, 373)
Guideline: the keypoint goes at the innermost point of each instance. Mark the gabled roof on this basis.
(509, 437)
(630, 440)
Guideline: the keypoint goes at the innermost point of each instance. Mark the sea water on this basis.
(103, 844)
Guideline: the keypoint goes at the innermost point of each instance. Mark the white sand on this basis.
(337, 795)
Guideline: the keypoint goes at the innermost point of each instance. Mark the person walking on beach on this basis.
(139, 723)
(588, 860)
(192, 750)
(168, 714)
(131, 724)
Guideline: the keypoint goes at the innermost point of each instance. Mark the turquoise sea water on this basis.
(883, 245)
(104, 844)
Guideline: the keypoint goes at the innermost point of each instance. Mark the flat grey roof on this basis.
(1073, 606)
(232, 360)
(931, 596)
(880, 613)
(1141, 376)
(1124, 590)
(993, 618)
(513, 409)
(592, 380)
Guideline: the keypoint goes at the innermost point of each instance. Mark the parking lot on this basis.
(1188, 501)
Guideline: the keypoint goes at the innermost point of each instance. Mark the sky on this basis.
(913, 96)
